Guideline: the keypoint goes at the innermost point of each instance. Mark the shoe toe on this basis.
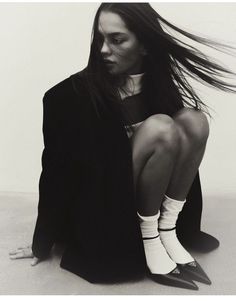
(175, 278)
(195, 272)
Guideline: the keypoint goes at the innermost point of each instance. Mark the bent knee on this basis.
(161, 130)
(194, 125)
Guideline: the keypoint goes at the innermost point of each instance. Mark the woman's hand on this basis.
(24, 252)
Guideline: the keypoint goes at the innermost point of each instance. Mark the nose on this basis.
(105, 48)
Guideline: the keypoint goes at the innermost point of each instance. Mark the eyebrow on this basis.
(113, 33)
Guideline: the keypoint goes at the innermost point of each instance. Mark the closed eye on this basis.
(117, 40)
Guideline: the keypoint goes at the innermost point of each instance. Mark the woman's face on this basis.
(121, 50)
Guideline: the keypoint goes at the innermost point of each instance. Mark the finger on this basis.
(19, 249)
(22, 254)
(35, 261)
(25, 247)
(16, 252)
(17, 256)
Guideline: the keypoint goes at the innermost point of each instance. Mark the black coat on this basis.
(86, 190)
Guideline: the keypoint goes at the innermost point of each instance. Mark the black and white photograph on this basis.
(118, 141)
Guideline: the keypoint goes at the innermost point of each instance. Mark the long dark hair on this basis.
(168, 63)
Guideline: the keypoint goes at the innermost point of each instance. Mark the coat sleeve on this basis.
(51, 206)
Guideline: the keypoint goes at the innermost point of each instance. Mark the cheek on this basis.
(128, 54)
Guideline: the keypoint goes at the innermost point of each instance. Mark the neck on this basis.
(132, 85)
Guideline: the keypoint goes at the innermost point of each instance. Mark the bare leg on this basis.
(166, 157)
(194, 130)
(155, 143)
(155, 149)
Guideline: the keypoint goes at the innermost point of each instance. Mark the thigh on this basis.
(193, 125)
(155, 129)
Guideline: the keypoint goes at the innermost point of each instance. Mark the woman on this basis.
(124, 139)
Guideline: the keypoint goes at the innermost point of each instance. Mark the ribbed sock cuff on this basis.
(149, 218)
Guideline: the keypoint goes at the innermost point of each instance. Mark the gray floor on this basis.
(17, 218)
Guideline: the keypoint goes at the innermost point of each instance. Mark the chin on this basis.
(114, 73)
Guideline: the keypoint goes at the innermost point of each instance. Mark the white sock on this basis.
(169, 213)
(158, 261)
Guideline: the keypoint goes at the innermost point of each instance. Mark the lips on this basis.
(108, 62)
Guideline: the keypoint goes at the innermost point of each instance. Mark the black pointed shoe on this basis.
(194, 271)
(175, 278)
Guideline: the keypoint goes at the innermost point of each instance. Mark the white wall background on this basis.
(43, 43)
